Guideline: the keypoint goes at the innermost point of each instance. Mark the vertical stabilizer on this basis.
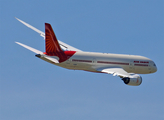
(52, 46)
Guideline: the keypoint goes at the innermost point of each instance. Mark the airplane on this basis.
(127, 67)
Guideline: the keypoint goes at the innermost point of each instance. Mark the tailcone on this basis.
(38, 55)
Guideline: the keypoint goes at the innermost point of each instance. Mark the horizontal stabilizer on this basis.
(30, 48)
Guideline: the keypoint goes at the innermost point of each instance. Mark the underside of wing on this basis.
(128, 78)
(115, 71)
(63, 45)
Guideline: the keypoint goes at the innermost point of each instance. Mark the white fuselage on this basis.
(127, 67)
(91, 61)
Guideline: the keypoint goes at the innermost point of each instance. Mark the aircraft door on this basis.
(94, 61)
(68, 61)
(149, 66)
(131, 66)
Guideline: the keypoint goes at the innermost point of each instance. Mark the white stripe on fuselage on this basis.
(91, 61)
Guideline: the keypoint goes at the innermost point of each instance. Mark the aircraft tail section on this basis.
(52, 46)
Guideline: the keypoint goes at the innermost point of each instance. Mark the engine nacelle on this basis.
(133, 80)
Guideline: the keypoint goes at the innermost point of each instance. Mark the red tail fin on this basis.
(52, 46)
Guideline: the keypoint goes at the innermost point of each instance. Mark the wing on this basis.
(63, 45)
(115, 71)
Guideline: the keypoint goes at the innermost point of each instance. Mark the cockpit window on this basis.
(154, 64)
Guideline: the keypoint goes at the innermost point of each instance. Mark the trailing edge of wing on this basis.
(115, 71)
(29, 48)
(63, 45)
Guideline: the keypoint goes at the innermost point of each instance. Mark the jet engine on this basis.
(133, 80)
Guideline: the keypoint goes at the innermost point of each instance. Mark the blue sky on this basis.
(33, 89)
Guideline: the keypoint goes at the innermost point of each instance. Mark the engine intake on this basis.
(133, 80)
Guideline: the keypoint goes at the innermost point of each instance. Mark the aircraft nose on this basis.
(154, 67)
